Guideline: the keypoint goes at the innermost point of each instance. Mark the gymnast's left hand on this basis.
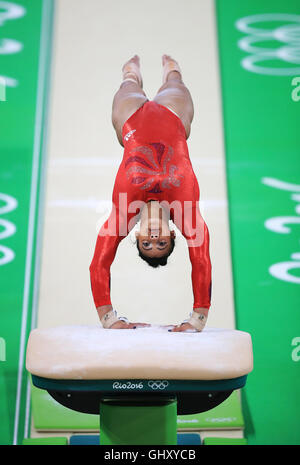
(182, 328)
(186, 326)
(127, 325)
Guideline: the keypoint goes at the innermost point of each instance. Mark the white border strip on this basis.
(46, 4)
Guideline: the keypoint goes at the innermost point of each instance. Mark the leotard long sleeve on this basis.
(155, 166)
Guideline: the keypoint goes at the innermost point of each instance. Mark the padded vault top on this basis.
(91, 353)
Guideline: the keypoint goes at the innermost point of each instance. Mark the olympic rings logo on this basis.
(158, 385)
(286, 35)
(8, 228)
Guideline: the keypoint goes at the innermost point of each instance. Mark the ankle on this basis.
(174, 75)
(130, 76)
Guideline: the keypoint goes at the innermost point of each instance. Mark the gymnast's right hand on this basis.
(110, 320)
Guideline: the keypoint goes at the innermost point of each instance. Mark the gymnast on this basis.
(155, 183)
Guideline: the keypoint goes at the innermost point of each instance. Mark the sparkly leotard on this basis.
(155, 166)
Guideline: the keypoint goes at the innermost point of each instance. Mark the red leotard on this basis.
(155, 166)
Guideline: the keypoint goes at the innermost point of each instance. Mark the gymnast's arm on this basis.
(197, 237)
(107, 243)
(201, 268)
(105, 251)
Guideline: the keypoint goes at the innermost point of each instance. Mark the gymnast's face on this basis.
(154, 237)
(154, 244)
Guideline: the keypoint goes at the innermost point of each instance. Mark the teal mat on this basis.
(94, 440)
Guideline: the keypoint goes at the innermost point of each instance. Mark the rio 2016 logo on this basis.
(283, 225)
(9, 11)
(155, 385)
(127, 385)
(296, 89)
(272, 43)
(296, 350)
(2, 350)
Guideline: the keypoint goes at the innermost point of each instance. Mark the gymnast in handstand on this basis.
(155, 183)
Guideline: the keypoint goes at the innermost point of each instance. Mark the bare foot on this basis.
(135, 59)
(171, 68)
(131, 70)
(166, 58)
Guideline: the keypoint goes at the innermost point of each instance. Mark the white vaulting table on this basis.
(89, 352)
(161, 375)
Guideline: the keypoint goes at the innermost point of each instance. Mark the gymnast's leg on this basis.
(174, 94)
(130, 97)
